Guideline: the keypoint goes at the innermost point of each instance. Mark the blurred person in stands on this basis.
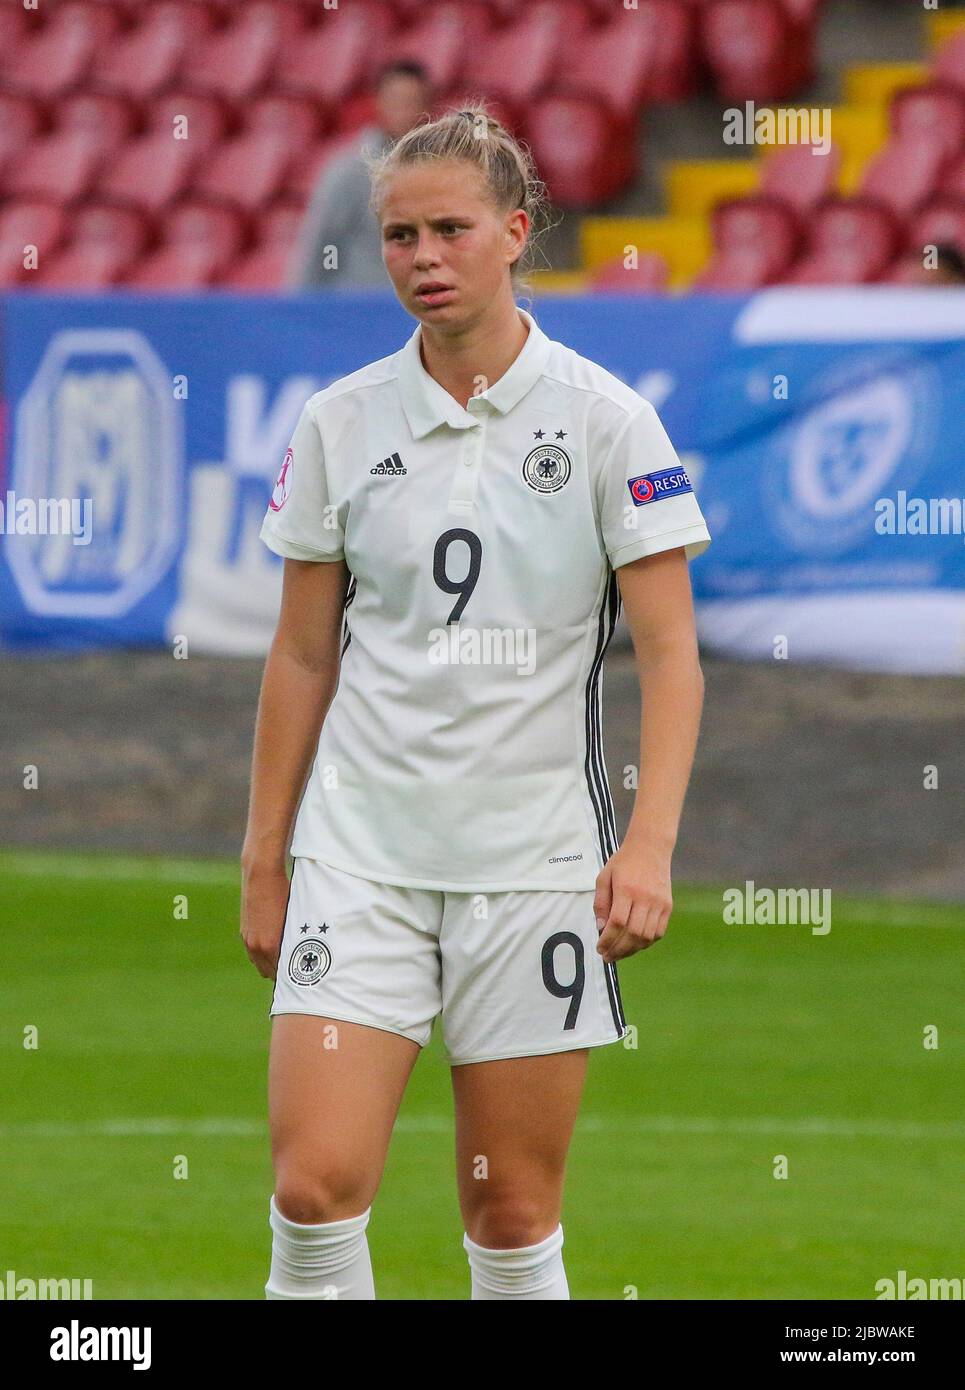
(338, 214)
(949, 268)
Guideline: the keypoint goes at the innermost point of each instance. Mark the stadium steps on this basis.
(683, 242)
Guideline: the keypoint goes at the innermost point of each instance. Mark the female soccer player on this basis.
(453, 520)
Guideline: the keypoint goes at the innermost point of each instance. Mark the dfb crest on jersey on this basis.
(546, 468)
(309, 961)
(99, 420)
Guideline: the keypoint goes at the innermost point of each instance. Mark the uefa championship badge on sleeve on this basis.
(283, 483)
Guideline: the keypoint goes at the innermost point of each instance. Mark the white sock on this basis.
(534, 1271)
(329, 1260)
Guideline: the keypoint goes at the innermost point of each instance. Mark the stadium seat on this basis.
(360, 110)
(953, 178)
(104, 242)
(798, 177)
(54, 59)
(235, 62)
(949, 62)
(279, 224)
(248, 170)
(331, 60)
(61, 167)
(199, 243)
(207, 118)
(19, 123)
(265, 268)
(150, 172)
(522, 58)
(672, 66)
(905, 173)
(648, 276)
(109, 119)
(27, 223)
(299, 119)
(755, 240)
(611, 63)
(753, 50)
(144, 61)
(443, 40)
(14, 27)
(851, 242)
(935, 112)
(580, 149)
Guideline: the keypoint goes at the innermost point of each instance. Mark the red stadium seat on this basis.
(444, 39)
(248, 170)
(649, 276)
(236, 62)
(905, 173)
(519, 60)
(200, 242)
(953, 178)
(110, 119)
(907, 270)
(672, 66)
(360, 110)
(29, 223)
(331, 60)
(580, 149)
(949, 61)
(263, 269)
(797, 176)
(612, 63)
(755, 240)
(13, 27)
(299, 119)
(279, 224)
(206, 119)
(851, 242)
(145, 60)
(752, 49)
(94, 266)
(19, 123)
(935, 112)
(150, 172)
(55, 58)
(61, 167)
(940, 222)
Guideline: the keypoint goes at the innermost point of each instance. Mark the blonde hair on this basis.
(472, 134)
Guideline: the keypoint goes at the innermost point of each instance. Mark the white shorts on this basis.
(512, 974)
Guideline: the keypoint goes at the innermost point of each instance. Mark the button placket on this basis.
(465, 485)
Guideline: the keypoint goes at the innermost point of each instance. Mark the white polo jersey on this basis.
(463, 749)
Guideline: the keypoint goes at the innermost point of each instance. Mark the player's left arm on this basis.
(633, 892)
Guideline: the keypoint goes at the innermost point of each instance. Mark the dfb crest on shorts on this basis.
(309, 962)
(546, 468)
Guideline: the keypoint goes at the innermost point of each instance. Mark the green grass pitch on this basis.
(752, 1042)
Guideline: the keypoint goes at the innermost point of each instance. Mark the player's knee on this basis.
(510, 1222)
(329, 1193)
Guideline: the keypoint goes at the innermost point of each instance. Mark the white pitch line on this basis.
(419, 1124)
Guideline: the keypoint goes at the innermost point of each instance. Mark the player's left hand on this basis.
(633, 901)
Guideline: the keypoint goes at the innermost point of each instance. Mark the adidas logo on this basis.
(391, 465)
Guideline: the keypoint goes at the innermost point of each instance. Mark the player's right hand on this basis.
(264, 904)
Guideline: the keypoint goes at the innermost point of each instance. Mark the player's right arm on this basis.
(299, 681)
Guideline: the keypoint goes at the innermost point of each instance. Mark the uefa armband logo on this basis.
(283, 483)
(651, 487)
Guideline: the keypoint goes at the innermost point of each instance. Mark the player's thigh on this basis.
(514, 1123)
(334, 1090)
(356, 990)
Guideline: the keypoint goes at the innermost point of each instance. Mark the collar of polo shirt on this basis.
(428, 405)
